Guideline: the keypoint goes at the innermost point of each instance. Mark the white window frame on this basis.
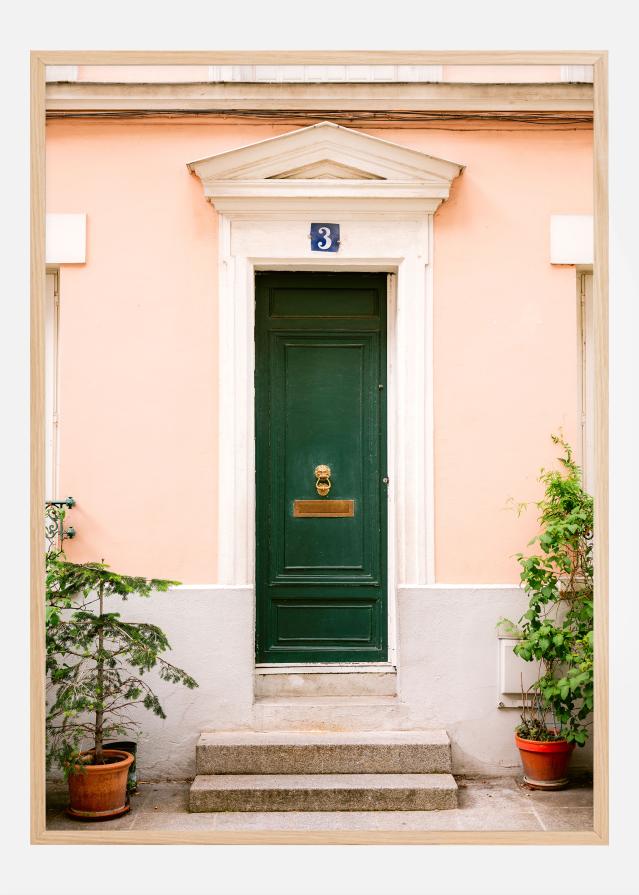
(586, 375)
(51, 349)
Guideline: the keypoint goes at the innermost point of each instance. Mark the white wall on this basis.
(210, 632)
(448, 673)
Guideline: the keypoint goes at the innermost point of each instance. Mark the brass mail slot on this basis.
(332, 509)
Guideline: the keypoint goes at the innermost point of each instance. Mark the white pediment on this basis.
(325, 169)
(324, 161)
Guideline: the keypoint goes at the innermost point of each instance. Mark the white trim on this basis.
(51, 329)
(258, 176)
(469, 586)
(61, 73)
(571, 239)
(429, 377)
(222, 588)
(322, 73)
(577, 74)
(264, 219)
(249, 588)
(326, 668)
(586, 378)
(554, 102)
(407, 394)
(391, 462)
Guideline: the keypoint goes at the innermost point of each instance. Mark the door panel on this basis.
(320, 400)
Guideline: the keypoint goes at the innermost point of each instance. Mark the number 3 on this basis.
(327, 242)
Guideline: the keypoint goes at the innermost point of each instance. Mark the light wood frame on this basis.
(91, 836)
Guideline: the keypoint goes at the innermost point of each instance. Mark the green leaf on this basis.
(95, 659)
(557, 625)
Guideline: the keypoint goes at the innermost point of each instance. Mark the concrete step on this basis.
(322, 792)
(329, 713)
(372, 679)
(283, 752)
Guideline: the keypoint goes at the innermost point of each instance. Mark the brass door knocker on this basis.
(323, 483)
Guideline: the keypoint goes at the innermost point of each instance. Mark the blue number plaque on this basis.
(324, 237)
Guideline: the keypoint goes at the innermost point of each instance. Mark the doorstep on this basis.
(325, 680)
(499, 803)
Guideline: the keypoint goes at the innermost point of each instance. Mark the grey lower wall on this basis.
(448, 672)
(211, 634)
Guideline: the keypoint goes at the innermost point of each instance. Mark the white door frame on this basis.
(410, 407)
(384, 197)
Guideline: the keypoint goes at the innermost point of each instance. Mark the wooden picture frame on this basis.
(91, 835)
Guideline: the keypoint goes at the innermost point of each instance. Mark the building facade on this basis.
(307, 342)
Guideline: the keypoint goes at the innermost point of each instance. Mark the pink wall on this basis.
(138, 376)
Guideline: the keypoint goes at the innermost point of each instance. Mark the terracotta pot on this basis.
(545, 763)
(99, 791)
(128, 746)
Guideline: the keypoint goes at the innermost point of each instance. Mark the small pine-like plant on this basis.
(95, 661)
(557, 628)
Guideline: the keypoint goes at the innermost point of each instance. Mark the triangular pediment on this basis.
(325, 160)
(326, 170)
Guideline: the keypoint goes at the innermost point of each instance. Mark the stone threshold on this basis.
(326, 679)
(326, 668)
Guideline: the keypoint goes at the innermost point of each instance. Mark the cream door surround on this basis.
(384, 197)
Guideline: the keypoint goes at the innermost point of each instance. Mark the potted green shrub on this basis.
(96, 662)
(557, 628)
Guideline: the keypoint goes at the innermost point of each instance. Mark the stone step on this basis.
(372, 679)
(322, 792)
(336, 713)
(283, 752)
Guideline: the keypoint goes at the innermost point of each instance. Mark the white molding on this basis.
(51, 329)
(216, 588)
(326, 668)
(391, 462)
(429, 377)
(386, 218)
(257, 176)
(436, 586)
(586, 378)
(322, 73)
(571, 239)
(66, 238)
(566, 101)
(577, 74)
(427, 588)
(61, 73)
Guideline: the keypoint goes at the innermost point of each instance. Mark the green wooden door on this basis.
(320, 400)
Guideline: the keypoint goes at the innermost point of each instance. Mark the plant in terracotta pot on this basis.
(96, 663)
(557, 628)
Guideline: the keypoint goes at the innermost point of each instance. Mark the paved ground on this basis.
(497, 803)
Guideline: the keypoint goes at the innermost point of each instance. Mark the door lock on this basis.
(323, 480)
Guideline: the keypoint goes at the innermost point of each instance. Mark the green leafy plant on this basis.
(557, 628)
(96, 661)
